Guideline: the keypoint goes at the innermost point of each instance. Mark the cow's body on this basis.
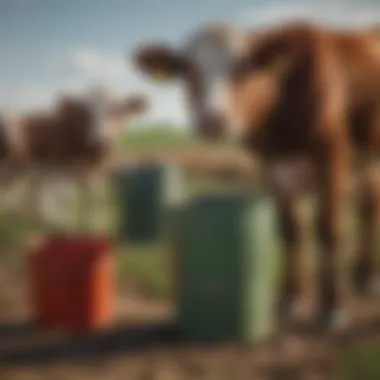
(54, 141)
(71, 141)
(293, 134)
(329, 69)
(298, 93)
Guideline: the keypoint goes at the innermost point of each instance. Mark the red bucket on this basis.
(72, 281)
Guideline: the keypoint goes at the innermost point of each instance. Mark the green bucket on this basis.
(228, 261)
(146, 197)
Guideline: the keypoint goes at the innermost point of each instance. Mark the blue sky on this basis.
(49, 46)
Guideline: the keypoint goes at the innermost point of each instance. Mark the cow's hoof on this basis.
(360, 279)
(283, 307)
(367, 284)
(373, 287)
(366, 281)
(334, 320)
(369, 288)
(293, 308)
(298, 310)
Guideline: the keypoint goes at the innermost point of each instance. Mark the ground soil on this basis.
(142, 345)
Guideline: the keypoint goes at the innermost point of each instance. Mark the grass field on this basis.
(144, 269)
(161, 136)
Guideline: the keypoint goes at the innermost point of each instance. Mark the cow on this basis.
(74, 139)
(297, 95)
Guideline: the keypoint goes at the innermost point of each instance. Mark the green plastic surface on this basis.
(228, 256)
(146, 195)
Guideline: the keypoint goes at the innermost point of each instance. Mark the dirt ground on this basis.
(143, 345)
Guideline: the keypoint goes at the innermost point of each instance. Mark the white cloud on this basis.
(339, 13)
(118, 73)
(89, 66)
(84, 66)
(35, 95)
(26, 95)
(92, 63)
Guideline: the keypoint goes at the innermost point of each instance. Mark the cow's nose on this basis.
(212, 125)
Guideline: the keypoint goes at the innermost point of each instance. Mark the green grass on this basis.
(146, 269)
(164, 137)
(161, 137)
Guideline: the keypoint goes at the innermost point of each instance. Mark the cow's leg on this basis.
(97, 215)
(46, 203)
(48, 209)
(334, 175)
(86, 203)
(91, 201)
(290, 228)
(365, 271)
(65, 198)
(57, 205)
(32, 206)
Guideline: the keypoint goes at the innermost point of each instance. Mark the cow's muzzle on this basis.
(211, 126)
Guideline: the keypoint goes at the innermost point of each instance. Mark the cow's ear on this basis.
(132, 106)
(160, 62)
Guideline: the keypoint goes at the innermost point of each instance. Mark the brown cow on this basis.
(296, 93)
(76, 137)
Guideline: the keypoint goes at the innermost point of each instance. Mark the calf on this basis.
(75, 138)
(295, 94)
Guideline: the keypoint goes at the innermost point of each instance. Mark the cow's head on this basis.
(234, 79)
(202, 65)
(98, 114)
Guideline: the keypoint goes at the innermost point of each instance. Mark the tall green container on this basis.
(228, 261)
(146, 196)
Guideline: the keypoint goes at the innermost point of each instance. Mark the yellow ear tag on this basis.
(161, 76)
